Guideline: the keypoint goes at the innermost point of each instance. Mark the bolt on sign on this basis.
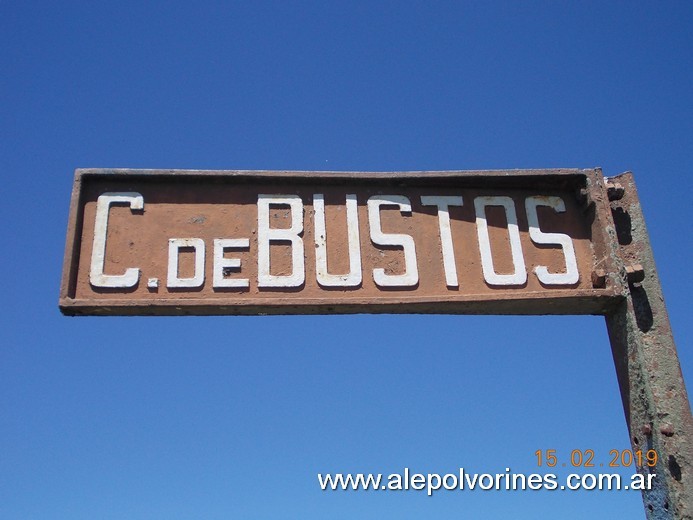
(238, 242)
(566, 241)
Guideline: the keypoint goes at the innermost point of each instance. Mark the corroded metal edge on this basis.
(79, 172)
(653, 392)
(561, 303)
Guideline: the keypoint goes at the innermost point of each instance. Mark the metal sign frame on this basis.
(583, 192)
(622, 285)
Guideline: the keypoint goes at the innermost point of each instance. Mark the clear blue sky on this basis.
(225, 418)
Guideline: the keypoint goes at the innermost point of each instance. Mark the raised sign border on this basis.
(589, 185)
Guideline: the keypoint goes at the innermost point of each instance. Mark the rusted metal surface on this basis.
(654, 395)
(236, 242)
(493, 242)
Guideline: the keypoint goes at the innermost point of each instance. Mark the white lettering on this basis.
(410, 277)
(267, 235)
(222, 264)
(443, 203)
(97, 278)
(353, 278)
(519, 274)
(571, 274)
(173, 279)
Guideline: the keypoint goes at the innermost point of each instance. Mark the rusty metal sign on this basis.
(243, 242)
(495, 242)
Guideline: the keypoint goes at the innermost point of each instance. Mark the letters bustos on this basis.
(228, 272)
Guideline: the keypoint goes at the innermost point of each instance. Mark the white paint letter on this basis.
(519, 275)
(221, 263)
(410, 277)
(571, 274)
(174, 247)
(353, 278)
(97, 278)
(266, 235)
(443, 203)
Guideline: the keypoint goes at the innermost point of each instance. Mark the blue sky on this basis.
(233, 417)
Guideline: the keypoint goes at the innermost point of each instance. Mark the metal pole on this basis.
(649, 374)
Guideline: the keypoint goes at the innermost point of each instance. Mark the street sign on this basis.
(567, 241)
(248, 242)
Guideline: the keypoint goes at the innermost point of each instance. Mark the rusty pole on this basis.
(649, 374)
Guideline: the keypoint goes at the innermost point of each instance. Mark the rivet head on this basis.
(667, 429)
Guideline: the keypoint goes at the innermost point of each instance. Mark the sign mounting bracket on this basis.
(649, 374)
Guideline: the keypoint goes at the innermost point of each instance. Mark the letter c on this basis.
(97, 278)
